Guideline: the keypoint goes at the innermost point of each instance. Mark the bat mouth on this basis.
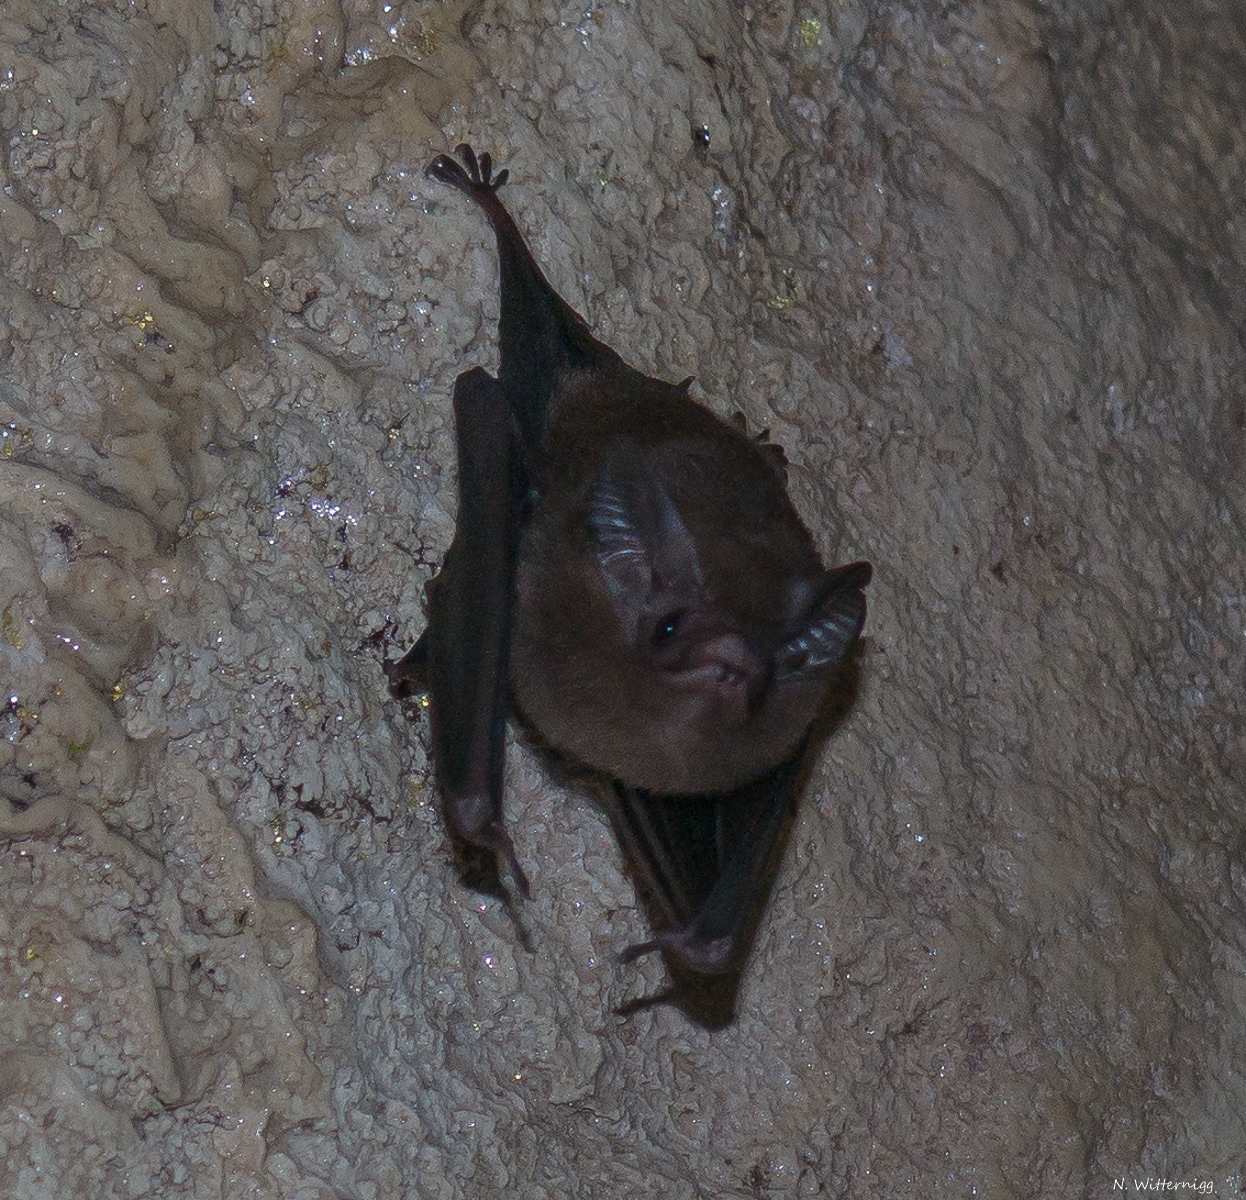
(725, 659)
(728, 675)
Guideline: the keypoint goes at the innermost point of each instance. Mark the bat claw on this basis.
(521, 879)
(639, 950)
(500, 843)
(446, 169)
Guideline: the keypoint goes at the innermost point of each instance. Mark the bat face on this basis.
(628, 570)
(665, 591)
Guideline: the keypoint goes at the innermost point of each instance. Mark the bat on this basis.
(630, 577)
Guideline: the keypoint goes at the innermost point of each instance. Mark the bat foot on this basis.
(714, 956)
(473, 176)
(500, 843)
(707, 1000)
(475, 819)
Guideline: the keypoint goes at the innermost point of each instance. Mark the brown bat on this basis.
(628, 570)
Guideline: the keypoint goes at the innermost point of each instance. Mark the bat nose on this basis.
(738, 674)
(732, 657)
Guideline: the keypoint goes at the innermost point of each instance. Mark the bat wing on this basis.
(540, 336)
(704, 864)
(462, 657)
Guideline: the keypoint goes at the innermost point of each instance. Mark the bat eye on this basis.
(666, 627)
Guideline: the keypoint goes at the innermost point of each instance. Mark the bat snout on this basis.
(728, 674)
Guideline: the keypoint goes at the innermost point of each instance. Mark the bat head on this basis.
(668, 645)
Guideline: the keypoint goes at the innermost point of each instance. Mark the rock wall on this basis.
(978, 269)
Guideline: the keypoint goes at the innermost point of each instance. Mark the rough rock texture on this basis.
(978, 268)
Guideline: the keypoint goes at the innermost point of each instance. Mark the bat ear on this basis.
(831, 626)
(639, 539)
